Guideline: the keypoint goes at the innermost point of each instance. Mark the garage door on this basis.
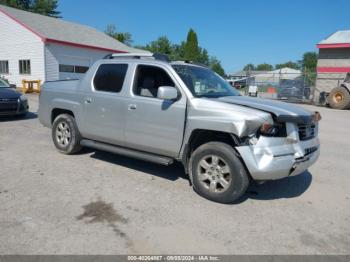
(72, 67)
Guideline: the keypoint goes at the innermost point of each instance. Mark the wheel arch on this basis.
(199, 137)
(65, 137)
(55, 112)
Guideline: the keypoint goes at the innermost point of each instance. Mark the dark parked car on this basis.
(293, 90)
(11, 101)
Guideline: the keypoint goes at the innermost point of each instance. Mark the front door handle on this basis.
(88, 100)
(132, 107)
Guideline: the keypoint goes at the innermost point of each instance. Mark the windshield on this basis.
(203, 82)
(3, 84)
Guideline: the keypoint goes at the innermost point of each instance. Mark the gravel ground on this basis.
(99, 203)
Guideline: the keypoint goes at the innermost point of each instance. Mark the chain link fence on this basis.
(284, 84)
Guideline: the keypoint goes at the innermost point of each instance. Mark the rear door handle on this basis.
(132, 107)
(88, 100)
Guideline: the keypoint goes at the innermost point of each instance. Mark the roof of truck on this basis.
(59, 31)
(153, 57)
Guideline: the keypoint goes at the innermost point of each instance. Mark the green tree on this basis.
(308, 66)
(161, 45)
(264, 67)
(111, 30)
(203, 56)
(249, 67)
(43, 7)
(20, 4)
(309, 61)
(124, 37)
(178, 51)
(289, 64)
(46, 7)
(215, 65)
(192, 50)
(186, 50)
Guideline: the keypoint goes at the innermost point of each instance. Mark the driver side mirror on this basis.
(167, 93)
(13, 86)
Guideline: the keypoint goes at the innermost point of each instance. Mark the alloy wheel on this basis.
(214, 174)
(63, 134)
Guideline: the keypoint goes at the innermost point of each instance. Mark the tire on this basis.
(208, 177)
(339, 98)
(65, 134)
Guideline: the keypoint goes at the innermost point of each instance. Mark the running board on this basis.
(127, 152)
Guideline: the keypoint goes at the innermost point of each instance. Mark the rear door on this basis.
(104, 105)
(154, 125)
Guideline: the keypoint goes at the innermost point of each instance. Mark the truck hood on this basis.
(282, 111)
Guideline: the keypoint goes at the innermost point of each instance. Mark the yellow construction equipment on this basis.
(28, 86)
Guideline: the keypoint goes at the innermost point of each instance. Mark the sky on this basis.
(236, 32)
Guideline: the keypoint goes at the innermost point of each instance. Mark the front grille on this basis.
(8, 100)
(307, 131)
(8, 104)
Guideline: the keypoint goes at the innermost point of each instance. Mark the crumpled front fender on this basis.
(278, 157)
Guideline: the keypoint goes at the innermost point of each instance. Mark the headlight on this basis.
(23, 98)
(268, 129)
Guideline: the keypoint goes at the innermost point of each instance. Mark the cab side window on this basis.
(110, 77)
(148, 79)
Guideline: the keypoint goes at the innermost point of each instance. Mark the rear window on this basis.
(110, 77)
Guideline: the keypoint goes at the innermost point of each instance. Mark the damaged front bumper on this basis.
(278, 157)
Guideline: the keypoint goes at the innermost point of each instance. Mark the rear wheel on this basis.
(65, 134)
(218, 174)
(339, 98)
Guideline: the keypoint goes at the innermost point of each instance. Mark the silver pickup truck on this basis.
(145, 106)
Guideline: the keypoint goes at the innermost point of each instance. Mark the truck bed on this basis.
(56, 93)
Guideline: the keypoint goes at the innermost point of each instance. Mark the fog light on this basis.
(253, 141)
(291, 140)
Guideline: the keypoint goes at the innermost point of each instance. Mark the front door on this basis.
(154, 125)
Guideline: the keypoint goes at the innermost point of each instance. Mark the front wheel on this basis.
(217, 173)
(65, 134)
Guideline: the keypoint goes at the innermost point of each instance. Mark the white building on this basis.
(262, 78)
(37, 47)
(273, 76)
(277, 75)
